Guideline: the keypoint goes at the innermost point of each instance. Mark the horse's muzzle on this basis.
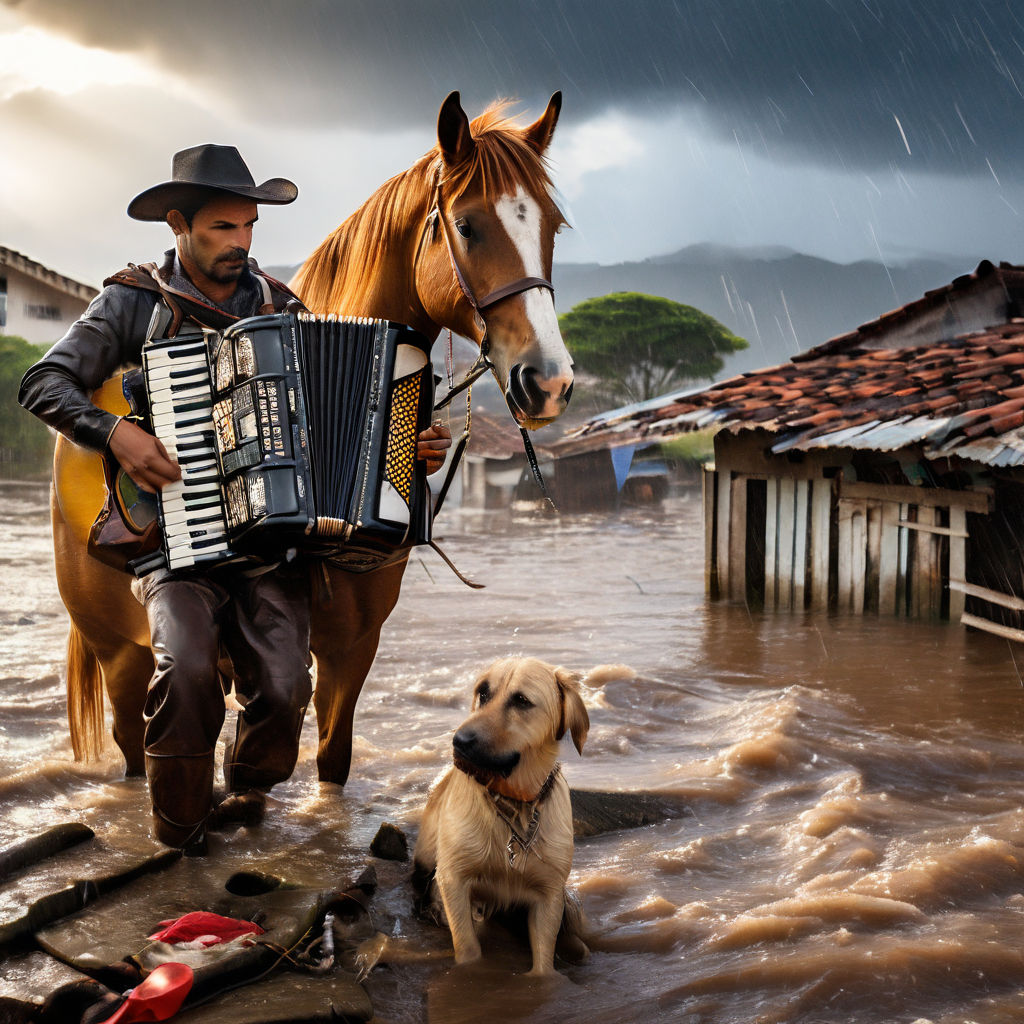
(531, 397)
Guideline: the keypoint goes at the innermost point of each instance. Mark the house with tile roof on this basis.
(882, 471)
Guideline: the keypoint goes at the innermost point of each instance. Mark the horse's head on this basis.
(484, 268)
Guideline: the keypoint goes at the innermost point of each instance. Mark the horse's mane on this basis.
(334, 279)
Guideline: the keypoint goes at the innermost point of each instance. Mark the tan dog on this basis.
(497, 829)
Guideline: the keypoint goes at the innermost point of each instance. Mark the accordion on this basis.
(291, 430)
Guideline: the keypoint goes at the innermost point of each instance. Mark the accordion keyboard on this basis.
(178, 379)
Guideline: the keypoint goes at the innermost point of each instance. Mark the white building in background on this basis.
(37, 303)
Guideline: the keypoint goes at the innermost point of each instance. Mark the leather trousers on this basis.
(261, 622)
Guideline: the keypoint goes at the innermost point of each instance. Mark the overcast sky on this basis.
(843, 128)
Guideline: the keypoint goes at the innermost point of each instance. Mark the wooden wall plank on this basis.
(858, 557)
(888, 558)
(738, 538)
(873, 555)
(787, 496)
(926, 566)
(722, 524)
(957, 560)
(821, 508)
(927, 497)
(845, 545)
(771, 537)
(709, 484)
(802, 490)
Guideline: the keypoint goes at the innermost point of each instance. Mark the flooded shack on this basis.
(881, 472)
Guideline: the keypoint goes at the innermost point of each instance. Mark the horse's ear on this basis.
(453, 135)
(539, 133)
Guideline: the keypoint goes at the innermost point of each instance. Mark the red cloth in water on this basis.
(201, 924)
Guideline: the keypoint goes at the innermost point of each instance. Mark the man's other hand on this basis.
(432, 446)
(143, 456)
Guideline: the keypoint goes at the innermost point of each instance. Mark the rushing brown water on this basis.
(856, 849)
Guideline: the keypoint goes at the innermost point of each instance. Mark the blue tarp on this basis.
(622, 459)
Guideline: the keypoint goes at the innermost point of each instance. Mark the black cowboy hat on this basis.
(207, 168)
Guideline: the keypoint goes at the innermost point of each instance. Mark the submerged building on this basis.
(882, 471)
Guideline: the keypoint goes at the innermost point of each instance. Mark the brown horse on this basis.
(462, 239)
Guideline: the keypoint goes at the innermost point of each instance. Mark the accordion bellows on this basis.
(292, 431)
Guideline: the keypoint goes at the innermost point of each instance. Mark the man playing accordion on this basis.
(255, 610)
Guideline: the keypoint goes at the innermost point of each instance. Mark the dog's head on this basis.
(522, 707)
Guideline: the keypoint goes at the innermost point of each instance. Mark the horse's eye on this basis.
(463, 228)
(520, 700)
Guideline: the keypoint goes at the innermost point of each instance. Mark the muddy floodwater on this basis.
(855, 850)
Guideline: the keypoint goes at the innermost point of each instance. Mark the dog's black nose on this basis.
(466, 743)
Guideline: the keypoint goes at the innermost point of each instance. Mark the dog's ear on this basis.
(574, 712)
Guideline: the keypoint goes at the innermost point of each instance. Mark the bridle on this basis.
(435, 217)
(483, 363)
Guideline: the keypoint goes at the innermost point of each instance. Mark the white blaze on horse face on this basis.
(520, 215)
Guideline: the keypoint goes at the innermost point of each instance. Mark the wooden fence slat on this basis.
(992, 627)
(992, 596)
(938, 531)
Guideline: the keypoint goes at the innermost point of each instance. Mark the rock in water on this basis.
(390, 843)
(595, 812)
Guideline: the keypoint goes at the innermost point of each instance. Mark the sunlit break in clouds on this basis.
(33, 59)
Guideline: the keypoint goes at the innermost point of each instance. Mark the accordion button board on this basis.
(292, 431)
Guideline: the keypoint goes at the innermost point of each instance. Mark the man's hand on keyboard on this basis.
(142, 456)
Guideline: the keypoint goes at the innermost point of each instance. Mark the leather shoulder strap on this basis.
(280, 293)
(147, 277)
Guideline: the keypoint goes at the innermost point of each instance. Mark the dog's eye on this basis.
(520, 700)
(483, 693)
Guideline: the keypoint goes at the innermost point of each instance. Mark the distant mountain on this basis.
(781, 301)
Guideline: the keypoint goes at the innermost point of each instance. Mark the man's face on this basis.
(217, 245)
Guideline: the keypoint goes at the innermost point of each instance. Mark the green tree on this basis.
(641, 346)
(25, 443)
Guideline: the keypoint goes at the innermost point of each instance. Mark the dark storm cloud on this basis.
(920, 83)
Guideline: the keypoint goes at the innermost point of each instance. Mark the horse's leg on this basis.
(345, 631)
(127, 668)
(108, 630)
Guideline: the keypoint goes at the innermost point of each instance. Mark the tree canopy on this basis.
(26, 441)
(641, 346)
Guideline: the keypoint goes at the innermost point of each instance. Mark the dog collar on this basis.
(509, 809)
